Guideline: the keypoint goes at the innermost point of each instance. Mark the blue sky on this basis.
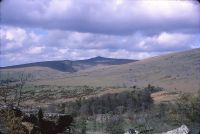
(40, 30)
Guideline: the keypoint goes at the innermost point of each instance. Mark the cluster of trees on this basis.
(105, 112)
(80, 125)
(108, 123)
(187, 108)
(115, 103)
(114, 124)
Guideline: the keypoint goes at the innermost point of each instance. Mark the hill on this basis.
(59, 68)
(73, 66)
(176, 71)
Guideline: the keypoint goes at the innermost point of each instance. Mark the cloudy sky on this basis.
(41, 30)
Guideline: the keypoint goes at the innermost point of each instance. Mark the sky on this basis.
(45, 30)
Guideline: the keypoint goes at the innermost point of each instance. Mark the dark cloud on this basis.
(106, 17)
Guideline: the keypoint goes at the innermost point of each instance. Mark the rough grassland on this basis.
(175, 72)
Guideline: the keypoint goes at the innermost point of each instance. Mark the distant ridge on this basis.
(73, 66)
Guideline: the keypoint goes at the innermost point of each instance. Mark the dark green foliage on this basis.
(83, 125)
(13, 123)
(115, 103)
(80, 125)
(153, 89)
(40, 114)
(114, 124)
(187, 108)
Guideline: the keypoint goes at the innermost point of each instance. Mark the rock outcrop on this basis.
(181, 130)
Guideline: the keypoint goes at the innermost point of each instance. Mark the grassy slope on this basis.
(178, 71)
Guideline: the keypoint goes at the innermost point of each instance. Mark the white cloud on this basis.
(35, 50)
(107, 17)
(167, 42)
(174, 38)
(60, 45)
(14, 36)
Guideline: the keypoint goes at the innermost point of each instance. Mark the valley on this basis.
(138, 94)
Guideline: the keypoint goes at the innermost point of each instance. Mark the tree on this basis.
(94, 119)
(80, 125)
(22, 81)
(114, 124)
(40, 114)
(83, 125)
(5, 90)
(61, 108)
(4, 93)
(162, 109)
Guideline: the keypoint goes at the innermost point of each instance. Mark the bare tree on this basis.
(5, 89)
(22, 81)
(4, 93)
